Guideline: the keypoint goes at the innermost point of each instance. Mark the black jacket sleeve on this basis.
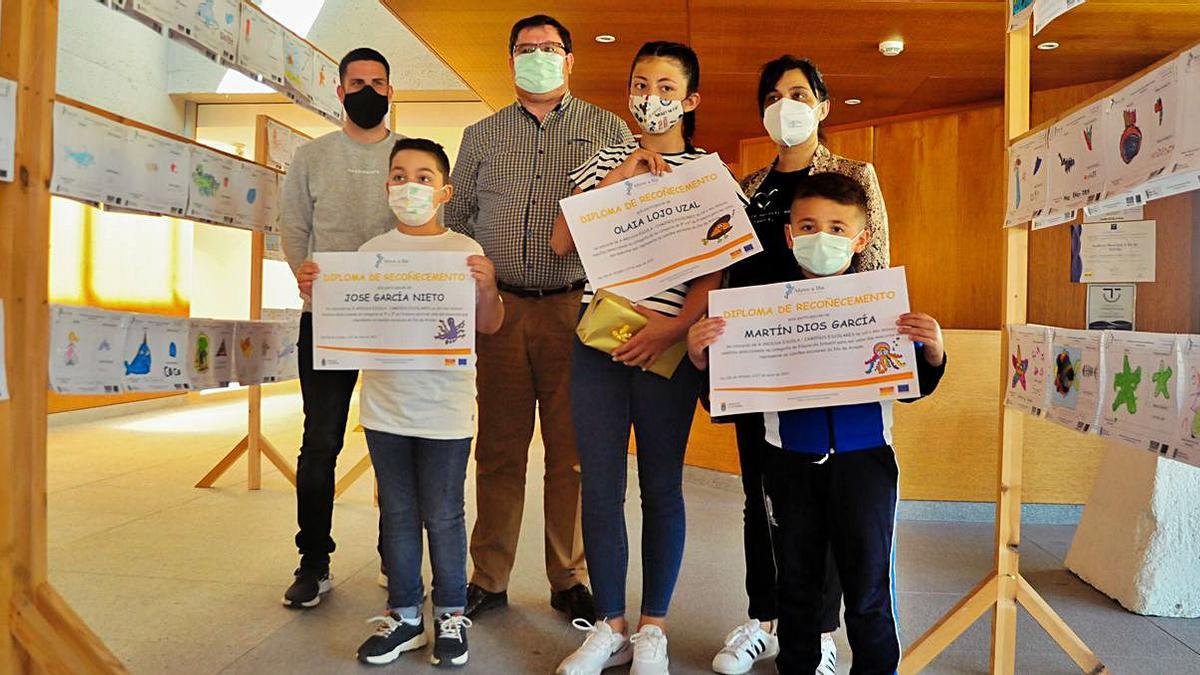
(928, 376)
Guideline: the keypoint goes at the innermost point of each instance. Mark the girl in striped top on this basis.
(611, 393)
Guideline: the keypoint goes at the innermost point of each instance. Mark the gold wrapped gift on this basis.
(610, 320)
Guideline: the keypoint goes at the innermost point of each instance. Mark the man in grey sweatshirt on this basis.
(333, 200)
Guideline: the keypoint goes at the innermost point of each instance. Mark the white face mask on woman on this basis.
(790, 122)
(654, 114)
(413, 203)
(822, 253)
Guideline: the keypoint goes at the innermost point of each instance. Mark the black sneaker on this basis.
(450, 646)
(576, 601)
(393, 636)
(307, 588)
(480, 601)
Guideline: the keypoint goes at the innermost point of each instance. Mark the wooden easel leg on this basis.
(274, 456)
(225, 463)
(1058, 629)
(254, 434)
(960, 617)
(351, 476)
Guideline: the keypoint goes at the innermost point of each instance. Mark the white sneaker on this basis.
(744, 646)
(828, 664)
(601, 649)
(649, 652)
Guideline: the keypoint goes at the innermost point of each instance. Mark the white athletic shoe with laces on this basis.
(744, 646)
(828, 664)
(649, 652)
(602, 648)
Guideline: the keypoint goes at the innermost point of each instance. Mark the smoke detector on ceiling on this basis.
(891, 47)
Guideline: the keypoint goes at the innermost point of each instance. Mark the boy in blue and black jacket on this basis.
(831, 474)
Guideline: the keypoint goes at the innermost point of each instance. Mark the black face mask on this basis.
(366, 107)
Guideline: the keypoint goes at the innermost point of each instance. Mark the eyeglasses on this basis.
(544, 47)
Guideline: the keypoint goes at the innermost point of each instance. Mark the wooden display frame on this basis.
(254, 445)
(1004, 588)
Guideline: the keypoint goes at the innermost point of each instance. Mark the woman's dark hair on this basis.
(536, 21)
(688, 62)
(772, 72)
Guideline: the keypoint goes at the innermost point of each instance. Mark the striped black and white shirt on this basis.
(589, 174)
(511, 173)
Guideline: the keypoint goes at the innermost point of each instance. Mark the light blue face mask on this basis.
(823, 254)
(539, 72)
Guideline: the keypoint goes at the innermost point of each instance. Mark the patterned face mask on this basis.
(654, 114)
(412, 203)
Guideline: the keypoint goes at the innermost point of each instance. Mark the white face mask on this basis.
(654, 114)
(413, 203)
(790, 122)
(823, 254)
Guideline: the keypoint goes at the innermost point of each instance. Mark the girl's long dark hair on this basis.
(688, 62)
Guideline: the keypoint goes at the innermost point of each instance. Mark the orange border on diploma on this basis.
(414, 352)
(696, 258)
(895, 377)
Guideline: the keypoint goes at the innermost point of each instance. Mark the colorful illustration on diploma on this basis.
(1037, 166)
(1019, 6)
(205, 12)
(1131, 138)
(1020, 367)
(1066, 384)
(1194, 404)
(140, 365)
(221, 350)
(1087, 137)
(72, 356)
(1037, 357)
(1068, 163)
(82, 158)
(172, 351)
(1017, 182)
(285, 351)
(201, 361)
(1125, 383)
(206, 183)
(247, 347)
(883, 359)
(1158, 108)
(451, 331)
(104, 346)
(788, 290)
(251, 195)
(718, 230)
(1162, 381)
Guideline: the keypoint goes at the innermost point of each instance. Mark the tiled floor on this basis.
(181, 580)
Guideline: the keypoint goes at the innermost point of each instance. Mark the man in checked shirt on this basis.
(511, 171)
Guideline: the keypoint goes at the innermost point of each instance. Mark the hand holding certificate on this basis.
(815, 343)
(649, 233)
(395, 310)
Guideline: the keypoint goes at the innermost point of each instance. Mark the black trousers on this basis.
(761, 571)
(326, 396)
(848, 502)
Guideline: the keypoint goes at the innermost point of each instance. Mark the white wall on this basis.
(116, 63)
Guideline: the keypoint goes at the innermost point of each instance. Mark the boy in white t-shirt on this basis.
(419, 426)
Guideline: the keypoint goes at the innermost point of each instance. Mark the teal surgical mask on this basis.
(823, 254)
(539, 72)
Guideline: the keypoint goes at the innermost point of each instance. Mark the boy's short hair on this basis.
(832, 186)
(536, 21)
(424, 145)
(362, 54)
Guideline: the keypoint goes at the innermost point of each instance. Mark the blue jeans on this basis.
(421, 486)
(606, 398)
